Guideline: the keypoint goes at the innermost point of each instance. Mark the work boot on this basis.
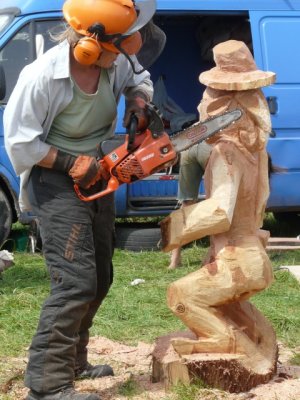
(65, 394)
(93, 371)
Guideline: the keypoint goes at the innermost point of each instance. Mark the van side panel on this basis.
(229, 5)
(35, 6)
(276, 43)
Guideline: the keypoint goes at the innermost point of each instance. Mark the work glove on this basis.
(84, 170)
(137, 106)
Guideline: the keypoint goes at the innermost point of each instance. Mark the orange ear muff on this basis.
(87, 51)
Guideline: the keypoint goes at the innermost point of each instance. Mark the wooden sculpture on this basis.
(230, 344)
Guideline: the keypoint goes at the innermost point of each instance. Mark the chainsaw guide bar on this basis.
(200, 131)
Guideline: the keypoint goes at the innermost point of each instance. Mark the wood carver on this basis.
(230, 344)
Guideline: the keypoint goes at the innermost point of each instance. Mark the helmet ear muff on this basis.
(87, 51)
(132, 44)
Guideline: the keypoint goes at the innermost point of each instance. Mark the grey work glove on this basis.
(137, 106)
(84, 170)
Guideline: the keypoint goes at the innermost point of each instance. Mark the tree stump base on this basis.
(224, 371)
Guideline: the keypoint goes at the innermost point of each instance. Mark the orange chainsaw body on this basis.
(149, 154)
(149, 157)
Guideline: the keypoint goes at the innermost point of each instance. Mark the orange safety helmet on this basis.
(104, 24)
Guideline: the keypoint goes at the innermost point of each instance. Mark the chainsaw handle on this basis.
(131, 131)
(112, 186)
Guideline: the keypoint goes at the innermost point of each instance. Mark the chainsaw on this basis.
(137, 155)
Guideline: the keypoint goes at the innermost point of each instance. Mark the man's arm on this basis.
(49, 160)
(23, 117)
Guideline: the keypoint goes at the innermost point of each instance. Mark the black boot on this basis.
(66, 394)
(93, 371)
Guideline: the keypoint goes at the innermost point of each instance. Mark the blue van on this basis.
(270, 28)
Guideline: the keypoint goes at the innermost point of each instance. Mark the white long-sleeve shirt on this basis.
(43, 90)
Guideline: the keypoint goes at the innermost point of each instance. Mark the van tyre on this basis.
(35, 239)
(138, 237)
(6, 216)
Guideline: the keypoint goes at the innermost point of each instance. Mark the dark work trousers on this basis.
(78, 242)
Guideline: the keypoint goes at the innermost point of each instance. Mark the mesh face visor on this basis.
(153, 43)
(153, 38)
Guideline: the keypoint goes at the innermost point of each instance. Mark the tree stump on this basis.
(233, 372)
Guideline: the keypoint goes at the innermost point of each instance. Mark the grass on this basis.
(134, 313)
(129, 389)
(131, 314)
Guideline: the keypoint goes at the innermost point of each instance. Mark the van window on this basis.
(44, 30)
(4, 21)
(28, 43)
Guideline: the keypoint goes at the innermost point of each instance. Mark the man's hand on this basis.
(86, 171)
(138, 107)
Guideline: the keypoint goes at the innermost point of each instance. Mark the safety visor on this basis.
(145, 10)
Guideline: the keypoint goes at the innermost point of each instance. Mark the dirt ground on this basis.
(132, 366)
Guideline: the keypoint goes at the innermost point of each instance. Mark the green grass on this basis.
(134, 313)
(131, 314)
(189, 392)
(129, 389)
(128, 314)
(281, 304)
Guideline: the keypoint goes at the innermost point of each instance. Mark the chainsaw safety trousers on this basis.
(78, 243)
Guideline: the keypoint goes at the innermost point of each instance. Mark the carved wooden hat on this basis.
(235, 69)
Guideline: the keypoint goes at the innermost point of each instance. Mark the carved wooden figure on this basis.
(230, 343)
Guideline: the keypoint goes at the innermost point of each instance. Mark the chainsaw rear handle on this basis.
(112, 186)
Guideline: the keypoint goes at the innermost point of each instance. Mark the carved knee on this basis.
(175, 299)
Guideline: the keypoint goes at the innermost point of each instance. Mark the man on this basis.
(63, 106)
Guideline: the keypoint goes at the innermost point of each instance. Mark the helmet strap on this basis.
(117, 44)
(98, 30)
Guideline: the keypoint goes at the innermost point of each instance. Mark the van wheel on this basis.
(6, 216)
(138, 237)
(35, 239)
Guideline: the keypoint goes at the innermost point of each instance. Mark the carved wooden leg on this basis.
(209, 324)
(206, 301)
(175, 258)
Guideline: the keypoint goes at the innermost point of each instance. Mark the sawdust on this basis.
(132, 366)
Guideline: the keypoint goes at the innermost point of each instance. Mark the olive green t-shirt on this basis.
(86, 121)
